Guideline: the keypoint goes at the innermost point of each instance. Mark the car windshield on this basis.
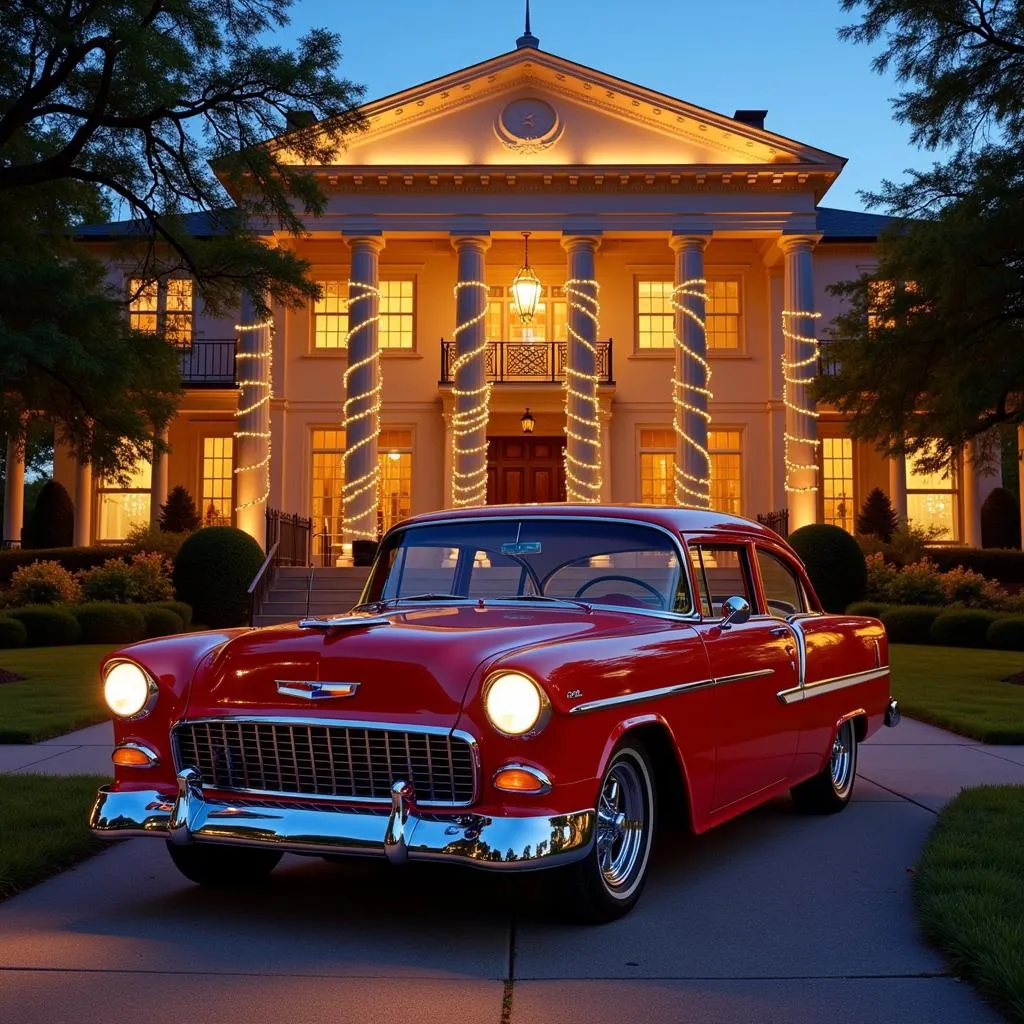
(629, 565)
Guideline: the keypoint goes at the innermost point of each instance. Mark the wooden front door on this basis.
(525, 469)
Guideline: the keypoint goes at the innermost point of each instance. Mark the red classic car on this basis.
(518, 689)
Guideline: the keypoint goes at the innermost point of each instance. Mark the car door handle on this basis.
(779, 631)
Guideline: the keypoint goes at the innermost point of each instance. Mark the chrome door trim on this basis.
(830, 685)
(740, 676)
(643, 695)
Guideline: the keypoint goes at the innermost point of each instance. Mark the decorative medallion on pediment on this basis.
(529, 125)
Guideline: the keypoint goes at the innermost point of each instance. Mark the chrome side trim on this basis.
(399, 832)
(154, 759)
(636, 698)
(740, 676)
(830, 685)
(530, 770)
(313, 690)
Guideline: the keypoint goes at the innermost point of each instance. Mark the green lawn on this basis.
(969, 889)
(44, 826)
(959, 688)
(61, 692)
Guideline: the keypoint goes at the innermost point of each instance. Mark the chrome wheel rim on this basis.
(622, 813)
(842, 759)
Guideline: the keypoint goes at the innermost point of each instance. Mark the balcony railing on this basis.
(528, 362)
(209, 363)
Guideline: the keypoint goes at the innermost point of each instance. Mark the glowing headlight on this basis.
(127, 689)
(514, 703)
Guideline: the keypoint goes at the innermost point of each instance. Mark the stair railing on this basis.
(324, 533)
(261, 582)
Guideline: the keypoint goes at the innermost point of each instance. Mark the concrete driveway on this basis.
(771, 918)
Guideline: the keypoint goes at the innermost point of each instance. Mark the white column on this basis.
(83, 504)
(606, 455)
(690, 392)
(469, 375)
(252, 430)
(898, 485)
(801, 368)
(14, 493)
(362, 386)
(160, 482)
(582, 412)
(970, 480)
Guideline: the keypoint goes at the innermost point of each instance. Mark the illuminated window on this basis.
(837, 481)
(723, 314)
(724, 446)
(394, 459)
(218, 480)
(933, 500)
(330, 315)
(396, 312)
(166, 307)
(880, 296)
(657, 467)
(328, 478)
(550, 319)
(655, 327)
(122, 506)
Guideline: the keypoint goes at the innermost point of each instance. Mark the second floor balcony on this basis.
(208, 363)
(528, 362)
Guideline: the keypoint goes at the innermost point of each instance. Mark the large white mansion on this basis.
(683, 260)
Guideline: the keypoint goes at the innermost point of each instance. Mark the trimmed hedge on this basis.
(835, 564)
(182, 610)
(47, 625)
(108, 623)
(161, 621)
(12, 633)
(72, 559)
(963, 627)
(873, 608)
(1007, 634)
(212, 572)
(1006, 565)
(910, 623)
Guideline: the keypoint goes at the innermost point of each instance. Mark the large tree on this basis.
(146, 110)
(934, 356)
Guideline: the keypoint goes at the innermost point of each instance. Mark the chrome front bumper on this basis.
(401, 834)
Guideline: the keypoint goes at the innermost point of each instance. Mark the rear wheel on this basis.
(830, 790)
(223, 866)
(607, 883)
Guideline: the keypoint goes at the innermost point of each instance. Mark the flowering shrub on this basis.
(152, 575)
(42, 583)
(972, 590)
(921, 583)
(145, 537)
(146, 578)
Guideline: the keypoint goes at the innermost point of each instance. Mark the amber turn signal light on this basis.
(133, 756)
(520, 780)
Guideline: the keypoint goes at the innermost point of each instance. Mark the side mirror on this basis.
(737, 610)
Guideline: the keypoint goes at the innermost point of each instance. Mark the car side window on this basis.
(782, 589)
(721, 571)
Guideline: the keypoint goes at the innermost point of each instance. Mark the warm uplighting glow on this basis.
(797, 374)
(526, 286)
(258, 378)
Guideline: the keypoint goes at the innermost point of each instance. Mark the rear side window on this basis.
(721, 571)
(782, 589)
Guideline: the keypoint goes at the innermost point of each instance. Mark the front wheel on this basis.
(607, 883)
(223, 866)
(830, 790)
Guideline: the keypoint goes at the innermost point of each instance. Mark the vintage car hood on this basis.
(410, 665)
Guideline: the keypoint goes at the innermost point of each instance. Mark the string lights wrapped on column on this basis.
(254, 372)
(797, 373)
(582, 409)
(365, 405)
(689, 396)
(470, 487)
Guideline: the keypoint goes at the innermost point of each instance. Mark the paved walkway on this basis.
(775, 917)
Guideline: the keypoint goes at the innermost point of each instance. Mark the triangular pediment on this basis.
(531, 108)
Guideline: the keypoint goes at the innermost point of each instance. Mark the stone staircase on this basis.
(334, 590)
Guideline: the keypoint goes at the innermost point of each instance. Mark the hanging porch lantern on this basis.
(526, 286)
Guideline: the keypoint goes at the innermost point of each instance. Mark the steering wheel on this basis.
(623, 579)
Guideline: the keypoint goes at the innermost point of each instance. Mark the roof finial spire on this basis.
(528, 38)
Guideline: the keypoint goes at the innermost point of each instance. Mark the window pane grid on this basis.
(933, 499)
(723, 314)
(724, 446)
(327, 480)
(330, 315)
(655, 315)
(218, 480)
(143, 306)
(837, 482)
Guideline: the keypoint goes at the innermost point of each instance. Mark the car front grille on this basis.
(347, 762)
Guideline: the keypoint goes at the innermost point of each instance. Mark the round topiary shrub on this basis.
(212, 572)
(835, 564)
(47, 625)
(873, 608)
(910, 624)
(1007, 634)
(107, 623)
(963, 627)
(51, 523)
(12, 633)
(161, 621)
(182, 610)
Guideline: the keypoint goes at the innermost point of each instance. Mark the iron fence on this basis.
(209, 363)
(528, 362)
(777, 521)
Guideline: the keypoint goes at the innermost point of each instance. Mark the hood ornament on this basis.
(313, 690)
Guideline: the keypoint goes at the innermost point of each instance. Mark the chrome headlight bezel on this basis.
(543, 704)
(152, 690)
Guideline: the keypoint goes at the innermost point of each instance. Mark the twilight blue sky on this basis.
(783, 56)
